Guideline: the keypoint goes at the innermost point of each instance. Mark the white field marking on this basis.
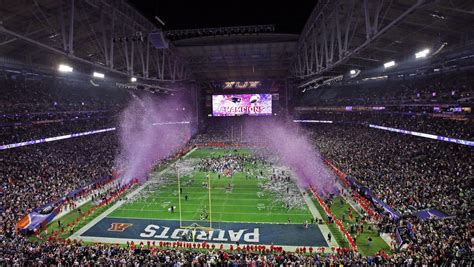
(386, 238)
(116, 206)
(80, 203)
(216, 191)
(196, 203)
(233, 193)
(224, 221)
(168, 194)
(259, 199)
(65, 212)
(214, 205)
(323, 227)
(106, 213)
(190, 152)
(258, 213)
(222, 198)
(254, 207)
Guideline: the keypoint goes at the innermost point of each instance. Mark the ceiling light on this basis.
(98, 75)
(389, 64)
(64, 68)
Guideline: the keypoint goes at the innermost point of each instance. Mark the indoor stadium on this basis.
(236, 133)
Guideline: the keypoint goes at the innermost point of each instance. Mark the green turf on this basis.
(340, 207)
(70, 218)
(243, 204)
(337, 235)
(246, 202)
(215, 152)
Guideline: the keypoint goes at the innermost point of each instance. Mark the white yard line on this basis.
(107, 212)
(219, 212)
(315, 212)
(119, 203)
(78, 235)
(78, 205)
(82, 202)
(220, 221)
(189, 153)
(355, 206)
(386, 237)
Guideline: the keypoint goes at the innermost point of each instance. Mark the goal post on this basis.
(194, 225)
(210, 202)
(179, 198)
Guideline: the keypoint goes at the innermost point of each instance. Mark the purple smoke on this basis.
(294, 149)
(144, 139)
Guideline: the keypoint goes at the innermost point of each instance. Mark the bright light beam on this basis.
(389, 64)
(64, 68)
(422, 53)
(98, 75)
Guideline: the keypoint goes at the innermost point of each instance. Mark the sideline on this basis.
(77, 235)
(315, 212)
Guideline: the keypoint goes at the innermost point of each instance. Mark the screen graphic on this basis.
(242, 104)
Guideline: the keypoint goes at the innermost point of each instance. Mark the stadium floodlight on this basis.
(98, 75)
(64, 68)
(422, 53)
(352, 72)
(133, 79)
(389, 64)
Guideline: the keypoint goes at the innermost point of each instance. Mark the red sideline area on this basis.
(117, 194)
(204, 245)
(54, 236)
(337, 221)
(358, 198)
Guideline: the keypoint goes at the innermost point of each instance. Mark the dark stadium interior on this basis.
(175, 15)
(98, 97)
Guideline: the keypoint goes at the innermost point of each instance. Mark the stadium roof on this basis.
(109, 35)
(239, 57)
(288, 17)
(344, 35)
(338, 36)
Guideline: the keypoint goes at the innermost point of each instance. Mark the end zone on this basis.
(121, 230)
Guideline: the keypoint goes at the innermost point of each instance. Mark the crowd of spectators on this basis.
(20, 94)
(32, 109)
(32, 176)
(410, 174)
(444, 126)
(227, 164)
(21, 133)
(443, 88)
(24, 252)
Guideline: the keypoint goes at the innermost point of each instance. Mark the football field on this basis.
(245, 207)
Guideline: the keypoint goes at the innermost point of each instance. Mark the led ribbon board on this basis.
(67, 136)
(425, 135)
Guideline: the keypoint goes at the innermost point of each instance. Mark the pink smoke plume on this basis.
(146, 135)
(294, 149)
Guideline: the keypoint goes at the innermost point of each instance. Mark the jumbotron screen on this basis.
(242, 104)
